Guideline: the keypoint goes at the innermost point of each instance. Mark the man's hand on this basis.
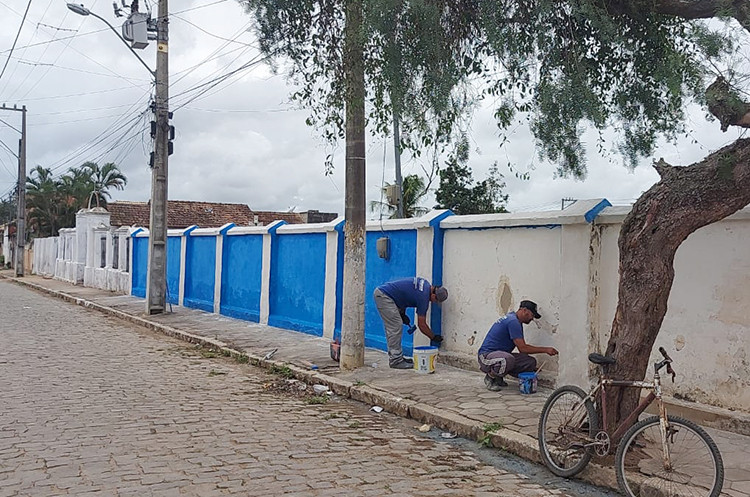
(438, 339)
(404, 317)
(551, 351)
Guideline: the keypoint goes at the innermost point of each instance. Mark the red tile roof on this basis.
(181, 214)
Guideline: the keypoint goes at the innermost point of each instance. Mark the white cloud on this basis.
(242, 141)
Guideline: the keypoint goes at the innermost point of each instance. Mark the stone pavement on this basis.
(453, 399)
(95, 406)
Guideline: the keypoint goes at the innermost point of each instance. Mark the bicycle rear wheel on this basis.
(566, 425)
(696, 466)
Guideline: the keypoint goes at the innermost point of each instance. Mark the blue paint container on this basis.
(527, 382)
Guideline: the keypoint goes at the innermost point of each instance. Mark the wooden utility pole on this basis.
(156, 288)
(21, 186)
(353, 322)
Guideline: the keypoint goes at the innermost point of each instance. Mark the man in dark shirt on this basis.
(496, 357)
(392, 299)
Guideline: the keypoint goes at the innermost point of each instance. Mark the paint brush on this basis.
(540, 367)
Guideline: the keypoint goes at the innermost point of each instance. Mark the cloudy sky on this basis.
(240, 141)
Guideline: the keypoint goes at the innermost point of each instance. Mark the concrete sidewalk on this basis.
(452, 399)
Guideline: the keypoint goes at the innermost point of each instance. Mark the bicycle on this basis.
(658, 456)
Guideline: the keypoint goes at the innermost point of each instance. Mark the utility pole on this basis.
(353, 322)
(156, 288)
(21, 186)
(397, 150)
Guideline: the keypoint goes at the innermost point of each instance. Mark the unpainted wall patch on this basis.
(504, 296)
(679, 342)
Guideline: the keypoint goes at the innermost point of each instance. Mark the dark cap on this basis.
(528, 304)
(441, 293)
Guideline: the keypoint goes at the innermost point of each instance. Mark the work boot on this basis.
(403, 363)
(494, 384)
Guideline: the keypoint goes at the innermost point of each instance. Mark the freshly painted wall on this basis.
(174, 245)
(400, 264)
(297, 284)
(200, 272)
(139, 266)
(241, 276)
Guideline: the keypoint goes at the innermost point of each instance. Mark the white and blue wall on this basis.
(291, 276)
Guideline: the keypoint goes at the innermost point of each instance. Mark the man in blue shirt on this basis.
(496, 357)
(392, 299)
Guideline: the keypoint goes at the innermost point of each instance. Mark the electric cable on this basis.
(23, 20)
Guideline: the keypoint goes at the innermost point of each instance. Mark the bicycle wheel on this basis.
(696, 466)
(566, 425)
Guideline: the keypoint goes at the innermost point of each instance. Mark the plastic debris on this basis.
(425, 428)
(374, 364)
(270, 354)
(314, 367)
(320, 389)
(376, 409)
(447, 434)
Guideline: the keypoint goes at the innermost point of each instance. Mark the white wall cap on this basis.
(575, 214)
(248, 230)
(174, 232)
(205, 232)
(403, 224)
(142, 233)
(303, 228)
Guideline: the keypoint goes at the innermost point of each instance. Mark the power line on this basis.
(16, 40)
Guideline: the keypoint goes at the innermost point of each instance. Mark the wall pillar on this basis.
(265, 285)
(219, 265)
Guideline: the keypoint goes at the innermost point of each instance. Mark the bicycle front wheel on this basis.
(567, 425)
(695, 468)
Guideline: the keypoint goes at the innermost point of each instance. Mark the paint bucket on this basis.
(527, 382)
(424, 359)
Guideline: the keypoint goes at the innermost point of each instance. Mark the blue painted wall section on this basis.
(596, 210)
(438, 239)
(297, 286)
(139, 265)
(241, 276)
(200, 268)
(174, 245)
(339, 281)
(401, 264)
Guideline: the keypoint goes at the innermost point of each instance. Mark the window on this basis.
(115, 252)
(103, 244)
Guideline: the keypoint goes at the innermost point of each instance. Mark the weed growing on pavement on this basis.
(282, 371)
(489, 428)
(242, 359)
(209, 353)
(317, 399)
(336, 415)
(359, 383)
(226, 352)
(355, 425)
(213, 372)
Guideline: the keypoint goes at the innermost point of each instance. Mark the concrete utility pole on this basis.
(353, 319)
(21, 205)
(156, 287)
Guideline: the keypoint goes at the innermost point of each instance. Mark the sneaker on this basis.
(494, 384)
(403, 363)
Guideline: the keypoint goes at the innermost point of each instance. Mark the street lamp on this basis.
(83, 11)
(156, 286)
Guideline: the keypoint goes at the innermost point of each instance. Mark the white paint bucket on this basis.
(424, 359)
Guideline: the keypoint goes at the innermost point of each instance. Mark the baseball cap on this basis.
(441, 293)
(528, 304)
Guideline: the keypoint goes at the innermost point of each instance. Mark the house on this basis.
(184, 213)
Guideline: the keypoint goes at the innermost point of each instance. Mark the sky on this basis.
(242, 140)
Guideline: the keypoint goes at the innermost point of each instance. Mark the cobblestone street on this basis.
(94, 406)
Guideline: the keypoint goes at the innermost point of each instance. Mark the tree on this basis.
(629, 67)
(414, 191)
(458, 192)
(52, 203)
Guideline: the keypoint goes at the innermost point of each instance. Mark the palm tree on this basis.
(43, 201)
(414, 191)
(102, 179)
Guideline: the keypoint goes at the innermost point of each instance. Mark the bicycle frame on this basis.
(655, 394)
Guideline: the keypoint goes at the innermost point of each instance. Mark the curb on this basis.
(508, 440)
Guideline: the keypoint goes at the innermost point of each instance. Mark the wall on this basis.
(706, 326)
(567, 261)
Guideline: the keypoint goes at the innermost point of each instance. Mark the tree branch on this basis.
(726, 105)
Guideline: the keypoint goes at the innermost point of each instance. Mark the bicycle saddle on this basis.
(601, 359)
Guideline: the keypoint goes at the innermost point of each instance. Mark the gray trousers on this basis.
(392, 323)
(499, 363)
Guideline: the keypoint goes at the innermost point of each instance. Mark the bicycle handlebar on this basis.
(668, 362)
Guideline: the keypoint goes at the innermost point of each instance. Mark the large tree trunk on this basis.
(686, 199)
(353, 322)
